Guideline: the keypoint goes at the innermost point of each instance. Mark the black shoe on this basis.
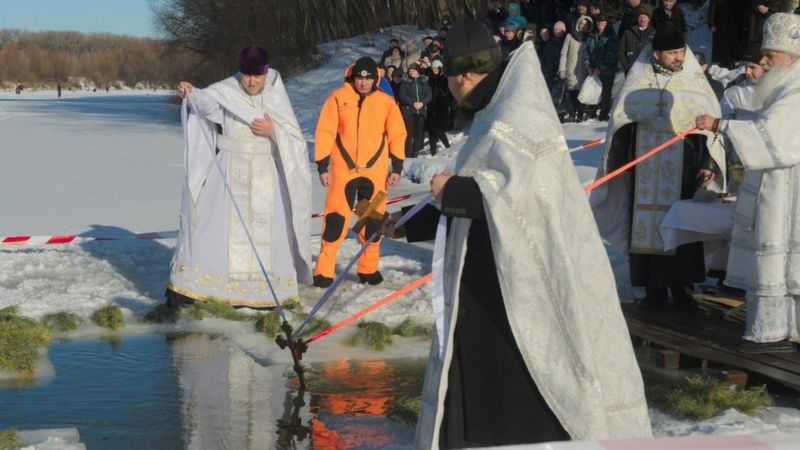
(783, 346)
(683, 298)
(372, 279)
(322, 281)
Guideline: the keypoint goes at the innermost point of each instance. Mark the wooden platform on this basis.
(705, 335)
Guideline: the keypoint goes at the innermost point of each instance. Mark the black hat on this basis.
(601, 17)
(414, 66)
(471, 48)
(365, 67)
(253, 60)
(668, 37)
(753, 54)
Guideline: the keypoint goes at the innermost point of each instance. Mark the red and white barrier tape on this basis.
(587, 145)
(75, 239)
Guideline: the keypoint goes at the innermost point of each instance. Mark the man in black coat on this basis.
(636, 38)
(629, 14)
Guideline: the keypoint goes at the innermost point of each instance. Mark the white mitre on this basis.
(782, 33)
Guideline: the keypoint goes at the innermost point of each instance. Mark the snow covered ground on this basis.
(98, 164)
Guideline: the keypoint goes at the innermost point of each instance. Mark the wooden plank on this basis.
(710, 339)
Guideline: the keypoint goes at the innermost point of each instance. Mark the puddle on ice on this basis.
(199, 391)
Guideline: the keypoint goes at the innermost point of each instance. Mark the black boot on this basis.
(372, 279)
(322, 281)
(683, 297)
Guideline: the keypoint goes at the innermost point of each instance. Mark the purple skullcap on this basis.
(253, 60)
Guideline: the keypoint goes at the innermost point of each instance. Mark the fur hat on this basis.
(782, 33)
(645, 9)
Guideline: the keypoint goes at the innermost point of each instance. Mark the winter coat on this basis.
(415, 90)
(550, 57)
(660, 16)
(572, 67)
(628, 19)
(507, 46)
(757, 19)
(632, 42)
(601, 53)
(439, 108)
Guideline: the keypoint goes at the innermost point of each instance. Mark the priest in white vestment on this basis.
(530, 343)
(247, 124)
(663, 93)
(765, 248)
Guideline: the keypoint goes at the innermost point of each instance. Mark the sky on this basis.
(131, 17)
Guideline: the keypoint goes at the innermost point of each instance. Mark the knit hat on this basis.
(437, 63)
(645, 9)
(753, 54)
(414, 66)
(471, 48)
(509, 26)
(782, 33)
(253, 60)
(601, 18)
(668, 37)
(560, 26)
(365, 67)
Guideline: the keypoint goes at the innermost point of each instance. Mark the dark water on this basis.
(175, 391)
(120, 394)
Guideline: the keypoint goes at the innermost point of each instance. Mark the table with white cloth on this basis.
(695, 221)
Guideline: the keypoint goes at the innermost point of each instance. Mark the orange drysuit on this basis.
(356, 137)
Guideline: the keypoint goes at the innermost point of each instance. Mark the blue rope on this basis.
(336, 282)
(238, 213)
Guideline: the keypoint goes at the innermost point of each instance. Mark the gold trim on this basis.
(233, 302)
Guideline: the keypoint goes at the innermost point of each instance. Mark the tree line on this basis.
(50, 57)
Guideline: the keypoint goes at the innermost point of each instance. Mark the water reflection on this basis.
(199, 391)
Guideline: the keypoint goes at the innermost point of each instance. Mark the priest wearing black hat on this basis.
(661, 92)
(527, 313)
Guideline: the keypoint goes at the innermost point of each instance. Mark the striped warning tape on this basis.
(76, 239)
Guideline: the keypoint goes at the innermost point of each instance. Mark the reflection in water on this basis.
(351, 402)
(201, 392)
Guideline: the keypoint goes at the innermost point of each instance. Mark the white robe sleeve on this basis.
(767, 142)
(207, 107)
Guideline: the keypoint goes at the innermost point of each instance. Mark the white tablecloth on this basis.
(708, 222)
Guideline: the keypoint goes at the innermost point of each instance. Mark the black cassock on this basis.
(491, 398)
(658, 272)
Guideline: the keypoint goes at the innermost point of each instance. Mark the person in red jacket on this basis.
(360, 129)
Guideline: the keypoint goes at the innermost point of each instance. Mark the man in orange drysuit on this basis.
(360, 130)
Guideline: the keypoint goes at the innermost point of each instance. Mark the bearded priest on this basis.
(765, 248)
(664, 91)
(247, 124)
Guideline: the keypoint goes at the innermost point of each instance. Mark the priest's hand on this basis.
(184, 88)
(705, 177)
(325, 179)
(389, 229)
(262, 127)
(437, 183)
(392, 180)
(706, 122)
